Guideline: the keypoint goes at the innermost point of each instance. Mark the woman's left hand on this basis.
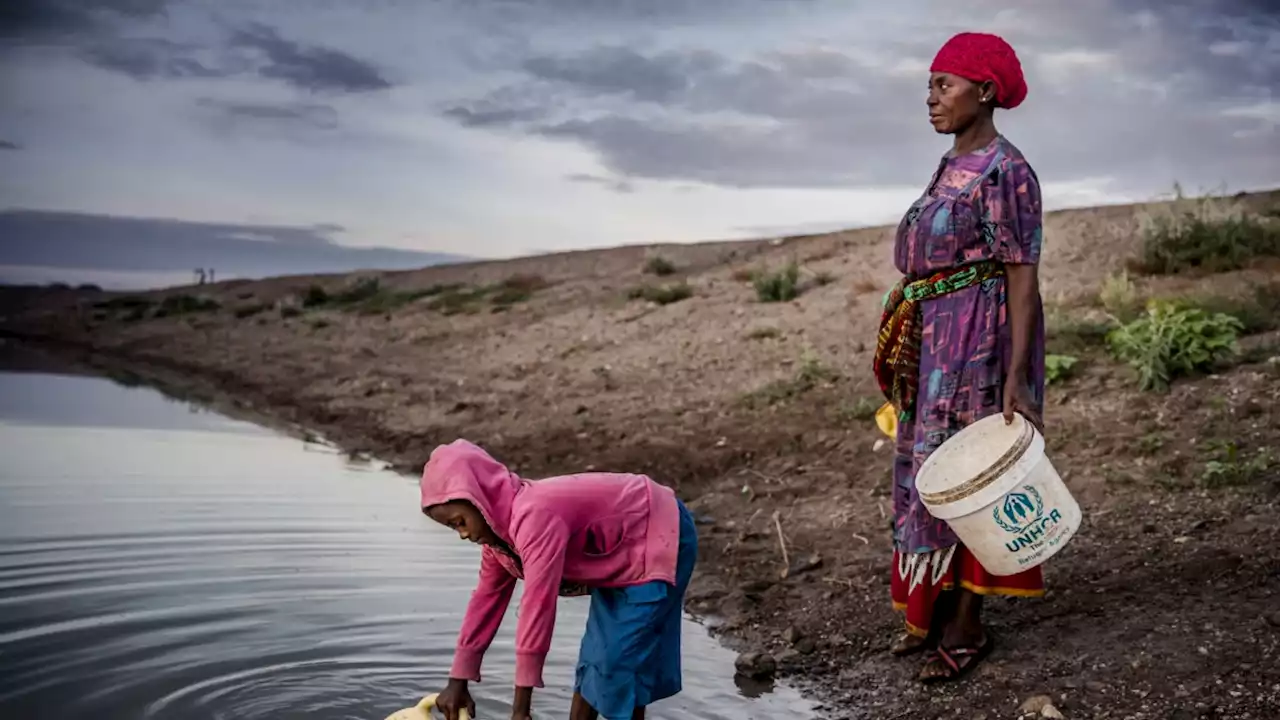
(1017, 399)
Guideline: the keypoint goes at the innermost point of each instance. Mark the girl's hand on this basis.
(1017, 399)
(454, 699)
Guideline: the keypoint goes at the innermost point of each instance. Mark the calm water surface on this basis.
(158, 561)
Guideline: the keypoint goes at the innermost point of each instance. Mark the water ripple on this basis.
(150, 574)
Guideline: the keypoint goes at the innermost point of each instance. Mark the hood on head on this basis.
(463, 471)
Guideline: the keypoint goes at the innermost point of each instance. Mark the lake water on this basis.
(160, 561)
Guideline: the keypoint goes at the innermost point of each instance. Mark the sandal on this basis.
(955, 662)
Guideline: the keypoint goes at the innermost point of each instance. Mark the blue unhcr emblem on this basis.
(1019, 510)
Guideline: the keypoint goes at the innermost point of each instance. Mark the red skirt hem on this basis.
(918, 580)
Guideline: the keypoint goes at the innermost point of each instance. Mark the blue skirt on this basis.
(630, 654)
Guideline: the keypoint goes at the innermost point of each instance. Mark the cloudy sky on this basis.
(502, 127)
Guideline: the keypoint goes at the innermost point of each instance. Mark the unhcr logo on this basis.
(1022, 513)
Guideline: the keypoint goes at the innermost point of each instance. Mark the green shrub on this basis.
(357, 292)
(1172, 341)
(660, 266)
(184, 304)
(517, 289)
(1229, 466)
(1258, 311)
(778, 286)
(1212, 234)
(314, 296)
(662, 294)
(1058, 368)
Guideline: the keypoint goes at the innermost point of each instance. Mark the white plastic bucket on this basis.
(994, 486)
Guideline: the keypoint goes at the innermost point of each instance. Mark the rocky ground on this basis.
(1166, 605)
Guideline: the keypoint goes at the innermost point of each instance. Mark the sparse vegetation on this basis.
(1257, 310)
(1070, 335)
(1119, 297)
(778, 285)
(1058, 368)
(1209, 234)
(1151, 443)
(184, 305)
(125, 302)
(862, 409)
(1171, 341)
(661, 294)
(517, 289)
(811, 374)
(660, 266)
(369, 296)
(247, 311)
(1229, 466)
(314, 296)
(459, 299)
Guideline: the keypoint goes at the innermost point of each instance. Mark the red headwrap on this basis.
(981, 57)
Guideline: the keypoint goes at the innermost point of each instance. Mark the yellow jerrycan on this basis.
(422, 711)
(887, 420)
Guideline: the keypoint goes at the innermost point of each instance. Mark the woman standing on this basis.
(962, 337)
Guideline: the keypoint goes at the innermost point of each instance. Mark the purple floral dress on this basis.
(984, 205)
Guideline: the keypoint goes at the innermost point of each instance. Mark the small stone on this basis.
(805, 646)
(788, 658)
(756, 665)
(1274, 619)
(1049, 712)
(1034, 705)
(791, 635)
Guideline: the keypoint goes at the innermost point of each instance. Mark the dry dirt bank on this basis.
(1165, 606)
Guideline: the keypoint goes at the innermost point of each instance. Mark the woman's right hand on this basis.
(454, 699)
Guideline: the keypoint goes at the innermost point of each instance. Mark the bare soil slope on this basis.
(1167, 604)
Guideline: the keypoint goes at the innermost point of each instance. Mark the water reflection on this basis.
(157, 563)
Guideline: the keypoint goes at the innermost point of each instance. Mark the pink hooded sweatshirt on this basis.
(597, 529)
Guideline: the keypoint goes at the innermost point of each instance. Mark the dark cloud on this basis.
(480, 116)
(309, 67)
(649, 12)
(6, 145)
(613, 184)
(1143, 98)
(623, 71)
(311, 115)
(40, 20)
(94, 29)
(148, 58)
(74, 240)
